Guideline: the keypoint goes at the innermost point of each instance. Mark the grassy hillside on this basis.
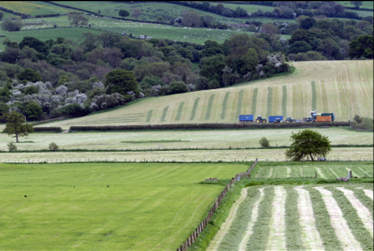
(328, 86)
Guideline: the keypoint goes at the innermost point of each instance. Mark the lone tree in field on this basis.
(123, 13)
(308, 143)
(16, 125)
(77, 18)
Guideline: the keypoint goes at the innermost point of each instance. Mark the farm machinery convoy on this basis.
(314, 117)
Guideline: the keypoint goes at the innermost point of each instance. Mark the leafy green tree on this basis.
(307, 23)
(4, 108)
(29, 75)
(34, 43)
(250, 59)
(177, 87)
(211, 48)
(212, 67)
(53, 147)
(63, 79)
(12, 147)
(9, 24)
(308, 143)
(33, 111)
(123, 13)
(361, 47)
(16, 125)
(31, 90)
(77, 18)
(121, 81)
(300, 35)
(264, 142)
(299, 46)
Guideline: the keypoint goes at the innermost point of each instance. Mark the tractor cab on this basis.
(260, 119)
(311, 119)
(290, 120)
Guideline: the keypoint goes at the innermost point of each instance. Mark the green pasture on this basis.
(248, 7)
(33, 8)
(44, 34)
(171, 155)
(324, 170)
(178, 139)
(365, 4)
(105, 206)
(339, 86)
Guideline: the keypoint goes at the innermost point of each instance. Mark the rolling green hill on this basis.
(328, 86)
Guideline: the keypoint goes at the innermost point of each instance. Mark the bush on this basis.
(264, 142)
(53, 147)
(12, 147)
(362, 123)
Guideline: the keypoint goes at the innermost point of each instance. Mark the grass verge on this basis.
(238, 228)
(210, 104)
(180, 109)
(224, 105)
(194, 108)
(293, 229)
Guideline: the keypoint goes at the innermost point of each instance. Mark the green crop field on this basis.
(44, 34)
(290, 217)
(105, 206)
(339, 85)
(178, 139)
(33, 7)
(365, 4)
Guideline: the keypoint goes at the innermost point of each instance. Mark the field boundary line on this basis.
(251, 223)
(342, 230)
(277, 233)
(310, 237)
(362, 211)
(218, 238)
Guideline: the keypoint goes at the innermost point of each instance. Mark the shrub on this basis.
(362, 123)
(12, 147)
(264, 142)
(53, 147)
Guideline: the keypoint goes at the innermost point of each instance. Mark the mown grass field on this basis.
(291, 217)
(69, 206)
(233, 155)
(178, 139)
(339, 86)
(365, 4)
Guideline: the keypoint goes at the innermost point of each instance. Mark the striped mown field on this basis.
(328, 86)
(310, 217)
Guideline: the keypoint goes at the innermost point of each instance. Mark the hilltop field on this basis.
(328, 86)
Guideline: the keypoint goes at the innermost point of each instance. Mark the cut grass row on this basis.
(224, 105)
(299, 237)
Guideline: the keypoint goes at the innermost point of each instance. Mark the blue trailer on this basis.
(245, 118)
(273, 119)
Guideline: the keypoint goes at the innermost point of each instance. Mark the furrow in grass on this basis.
(368, 193)
(180, 109)
(338, 222)
(307, 232)
(293, 228)
(252, 221)
(254, 101)
(164, 113)
(284, 101)
(224, 105)
(277, 240)
(149, 116)
(324, 96)
(314, 96)
(323, 221)
(195, 104)
(320, 173)
(258, 239)
(270, 102)
(362, 211)
(240, 103)
(218, 238)
(365, 200)
(210, 104)
(233, 238)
